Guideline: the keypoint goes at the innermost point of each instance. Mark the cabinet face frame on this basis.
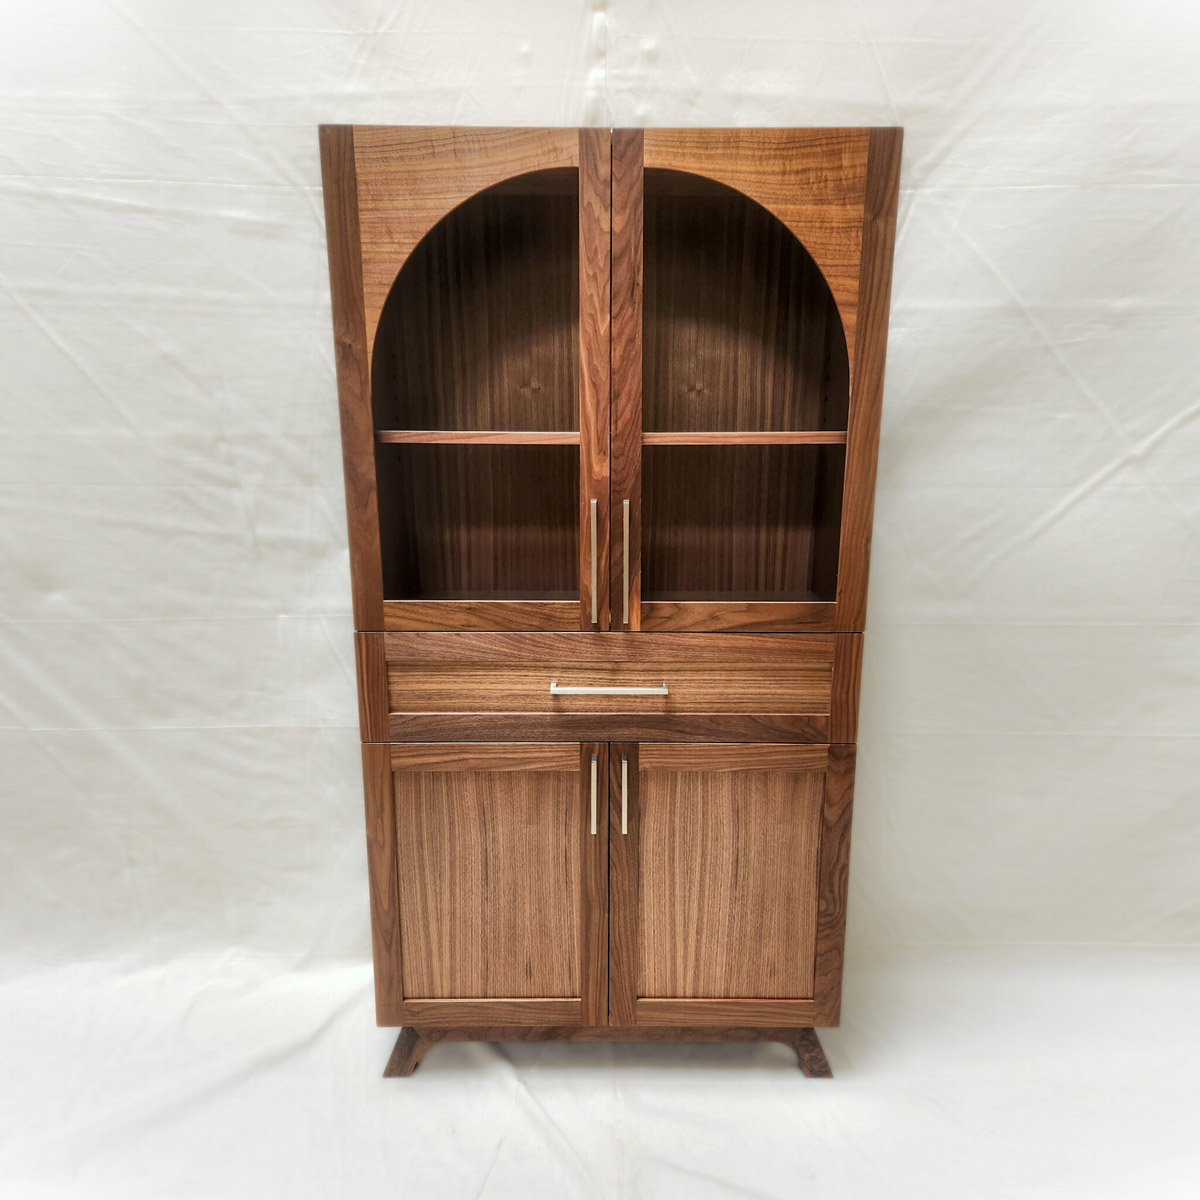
(836, 191)
(388, 884)
(625, 1006)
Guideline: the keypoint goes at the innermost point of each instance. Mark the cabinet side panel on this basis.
(384, 889)
(832, 882)
(866, 375)
(372, 669)
(353, 378)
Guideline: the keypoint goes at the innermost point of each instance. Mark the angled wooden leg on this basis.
(407, 1053)
(808, 1050)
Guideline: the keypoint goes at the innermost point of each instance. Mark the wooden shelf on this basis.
(746, 437)
(480, 437)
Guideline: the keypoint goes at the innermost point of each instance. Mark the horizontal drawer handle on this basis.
(558, 689)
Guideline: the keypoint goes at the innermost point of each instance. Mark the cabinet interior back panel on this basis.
(741, 522)
(728, 898)
(489, 867)
(464, 522)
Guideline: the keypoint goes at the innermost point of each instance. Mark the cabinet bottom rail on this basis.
(412, 1044)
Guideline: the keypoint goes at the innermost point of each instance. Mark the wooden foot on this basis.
(407, 1053)
(808, 1050)
(412, 1044)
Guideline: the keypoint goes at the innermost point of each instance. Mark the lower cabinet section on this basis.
(653, 884)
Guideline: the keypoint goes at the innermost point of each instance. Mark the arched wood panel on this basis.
(410, 178)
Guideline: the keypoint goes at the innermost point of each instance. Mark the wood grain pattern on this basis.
(809, 1054)
(372, 671)
(578, 648)
(477, 437)
(627, 291)
(746, 437)
(410, 177)
(484, 756)
(512, 1011)
(623, 886)
(741, 330)
(813, 180)
(741, 1012)
(609, 727)
(350, 348)
(490, 874)
(708, 616)
(481, 328)
(412, 615)
(595, 274)
(866, 397)
(479, 522)
(833, 874)
(750, 539)
(847, 676)
(659, 756)
(726, 869)
(406, 1055)
(383, 883)
(712, 688)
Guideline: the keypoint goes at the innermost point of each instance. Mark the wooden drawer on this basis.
(602, 686)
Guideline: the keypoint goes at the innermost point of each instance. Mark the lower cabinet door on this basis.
(489, 868)
(727, 883)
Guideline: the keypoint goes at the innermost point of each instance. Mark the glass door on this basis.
(489, 387)
(731, 392)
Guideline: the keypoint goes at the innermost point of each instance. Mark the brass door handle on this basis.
(594, 783)
(625, 559)
(595, 584)
(624, 794)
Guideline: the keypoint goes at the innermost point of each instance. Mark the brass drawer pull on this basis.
(560, 689)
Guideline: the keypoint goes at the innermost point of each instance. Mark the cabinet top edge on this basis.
(840, 129)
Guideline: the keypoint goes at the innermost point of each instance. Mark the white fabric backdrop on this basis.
(181, 849)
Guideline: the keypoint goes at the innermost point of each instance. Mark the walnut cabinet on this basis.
(610, 407)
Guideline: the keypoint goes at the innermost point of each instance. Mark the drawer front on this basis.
(578, 686)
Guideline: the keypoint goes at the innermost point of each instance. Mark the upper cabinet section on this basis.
(596, 379)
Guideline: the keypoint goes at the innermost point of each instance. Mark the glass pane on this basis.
(479, 522)
(729, 523)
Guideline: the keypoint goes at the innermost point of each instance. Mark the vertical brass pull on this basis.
(625, 600)
(595, 586)
(594, 784)
(624, 794)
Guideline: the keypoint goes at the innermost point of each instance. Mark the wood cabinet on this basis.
(610, 406)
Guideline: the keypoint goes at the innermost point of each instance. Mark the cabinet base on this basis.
(412, 1044)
